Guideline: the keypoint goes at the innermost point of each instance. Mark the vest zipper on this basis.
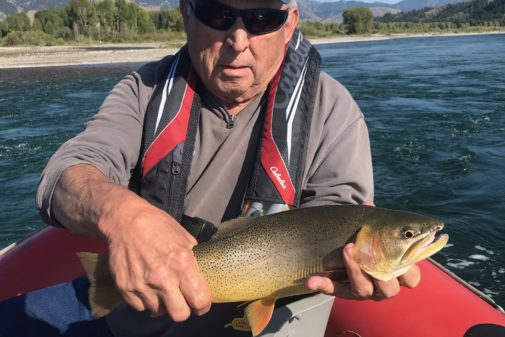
(176, 168)
(230, 120)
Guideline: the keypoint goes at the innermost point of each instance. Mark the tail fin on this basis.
(103, 295)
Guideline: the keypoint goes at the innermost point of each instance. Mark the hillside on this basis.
(310, 10)
(409, 5)
(475, 13)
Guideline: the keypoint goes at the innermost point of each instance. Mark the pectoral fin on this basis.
(259, 313)
(334, 275)
(103, 295)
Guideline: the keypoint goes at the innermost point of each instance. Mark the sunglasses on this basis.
(257, 21)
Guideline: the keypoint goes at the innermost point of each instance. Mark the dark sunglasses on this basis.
(257, 21)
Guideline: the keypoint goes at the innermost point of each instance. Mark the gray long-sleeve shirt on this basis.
(338, 164)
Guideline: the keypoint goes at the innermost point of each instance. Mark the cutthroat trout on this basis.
(267, 258)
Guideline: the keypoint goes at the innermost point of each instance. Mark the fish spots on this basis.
(277, 252)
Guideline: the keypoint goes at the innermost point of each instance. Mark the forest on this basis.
(111, 21)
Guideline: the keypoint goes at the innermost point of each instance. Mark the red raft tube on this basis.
(442, 305)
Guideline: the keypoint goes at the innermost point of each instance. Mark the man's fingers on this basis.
(151, 300)
(361, 284)
(411, 278)
(195, 289)
(199, 300)
(176, 304)
(133, 300)
(322, 284)
(329, 287)
(389, 289)
(386, 289)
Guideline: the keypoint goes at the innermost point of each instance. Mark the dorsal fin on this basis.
(233, 226)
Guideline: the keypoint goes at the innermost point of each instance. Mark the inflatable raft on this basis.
(442, 305)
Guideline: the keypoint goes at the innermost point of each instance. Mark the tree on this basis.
(168, 19)
(49, 21)
(106, 13)
(4, 30)
(82, 17)
(18, 22)
(359, 20)
(144, 23)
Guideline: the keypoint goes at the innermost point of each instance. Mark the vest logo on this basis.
(278, 176)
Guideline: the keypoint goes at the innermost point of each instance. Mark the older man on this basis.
(243, 63)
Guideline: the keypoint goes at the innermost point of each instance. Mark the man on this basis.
(236, 48)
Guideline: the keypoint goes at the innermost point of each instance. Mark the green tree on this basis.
(4, 30)
(82, 17)
(123, 18)
(144, 23)
(106, 14)
(359, 20)
(49, 21)
(168, 19)
(18, 22)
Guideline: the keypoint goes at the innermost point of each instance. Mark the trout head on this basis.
(387, 245)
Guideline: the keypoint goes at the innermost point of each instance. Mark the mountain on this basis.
(10, 7)
(408, 5)
(310, 10)
(474, 12)
(332, 11)
(6, 8)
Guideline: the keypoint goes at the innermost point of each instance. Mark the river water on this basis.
(435, 108)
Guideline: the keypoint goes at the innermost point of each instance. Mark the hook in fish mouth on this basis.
(427, 245)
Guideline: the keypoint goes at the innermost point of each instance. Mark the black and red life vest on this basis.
(172, 120)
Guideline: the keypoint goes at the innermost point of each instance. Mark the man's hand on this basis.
(152, 261)
(151, 254)
(361, 285)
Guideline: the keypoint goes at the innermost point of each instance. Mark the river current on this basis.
(435, 108)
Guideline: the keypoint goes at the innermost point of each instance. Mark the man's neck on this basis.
(235, 106)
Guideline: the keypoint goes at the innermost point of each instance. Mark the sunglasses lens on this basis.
(221, 17)
(215, 15)
(265, 20)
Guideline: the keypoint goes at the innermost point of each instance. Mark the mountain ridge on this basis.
(309, 10)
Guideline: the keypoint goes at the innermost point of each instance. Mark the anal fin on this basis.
(259, 313)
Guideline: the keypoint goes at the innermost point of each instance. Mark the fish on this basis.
(260, 260)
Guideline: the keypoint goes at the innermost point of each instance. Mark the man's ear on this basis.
(184, 8)
(291, 25)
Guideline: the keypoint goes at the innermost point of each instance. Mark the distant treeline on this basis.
(482, 13)
(107, 20)
(122, 21)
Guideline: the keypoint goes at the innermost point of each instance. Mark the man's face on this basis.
(234, 64)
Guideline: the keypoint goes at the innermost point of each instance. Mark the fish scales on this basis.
(275, 252)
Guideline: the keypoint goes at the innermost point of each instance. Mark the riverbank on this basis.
(35, 56)
(24, 57)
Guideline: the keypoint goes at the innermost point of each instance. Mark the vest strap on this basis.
(277, 178)
(172, 119)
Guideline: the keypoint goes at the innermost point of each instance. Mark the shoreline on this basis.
(72, 55)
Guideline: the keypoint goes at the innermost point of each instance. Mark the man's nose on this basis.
(237, 36)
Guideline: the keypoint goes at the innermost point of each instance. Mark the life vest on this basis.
(171, 123)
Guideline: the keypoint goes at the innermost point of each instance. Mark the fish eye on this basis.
(408, 233)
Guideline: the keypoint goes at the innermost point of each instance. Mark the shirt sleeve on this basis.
(339, 164)
(110, 141)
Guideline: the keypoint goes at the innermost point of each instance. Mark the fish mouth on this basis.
(427, 245)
